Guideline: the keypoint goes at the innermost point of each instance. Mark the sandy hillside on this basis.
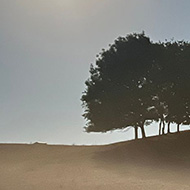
(154, 163)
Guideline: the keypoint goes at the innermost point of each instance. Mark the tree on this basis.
(177, 77)
(136, 82)
(118, 92)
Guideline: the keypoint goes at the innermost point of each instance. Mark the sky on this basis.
(46, 48)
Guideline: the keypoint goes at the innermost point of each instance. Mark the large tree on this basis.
(136, 82)
(118, 93)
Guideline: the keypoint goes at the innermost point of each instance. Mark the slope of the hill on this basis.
(152, 163)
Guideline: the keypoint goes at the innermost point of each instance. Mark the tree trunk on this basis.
(178, 128)
(163, 128)
(169, 127)
(136, 132)
(160, 127)
(143, 131)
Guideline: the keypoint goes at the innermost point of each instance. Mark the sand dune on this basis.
(153, 163)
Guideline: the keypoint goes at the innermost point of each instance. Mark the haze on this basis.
(46, 48)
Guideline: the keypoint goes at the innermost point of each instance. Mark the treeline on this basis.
(136, 82)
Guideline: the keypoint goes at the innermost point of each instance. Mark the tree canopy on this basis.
(137, 81)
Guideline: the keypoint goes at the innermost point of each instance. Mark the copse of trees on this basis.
(137, 81)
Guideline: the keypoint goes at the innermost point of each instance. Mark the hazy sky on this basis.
(46, 47)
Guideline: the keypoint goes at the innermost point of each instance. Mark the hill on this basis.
(161, 162)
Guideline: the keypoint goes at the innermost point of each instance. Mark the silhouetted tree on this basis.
(136, 82)
(178, 80)
(118, 93)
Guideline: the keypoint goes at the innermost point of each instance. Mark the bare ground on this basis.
(153, 163)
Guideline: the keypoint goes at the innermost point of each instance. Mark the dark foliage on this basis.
(136, 82)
